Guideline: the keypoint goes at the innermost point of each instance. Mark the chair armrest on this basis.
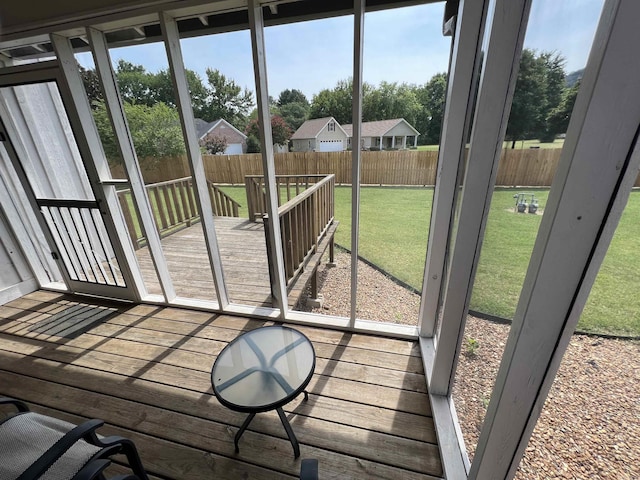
(126, 446)
(21, 406)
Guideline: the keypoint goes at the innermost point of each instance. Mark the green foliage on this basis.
(471, 346)
(200, 95)
(539, 91)
(390, 100)
(91, 85)
(292, 96)
(336, 102)
(421, 106)
(214, 144)
(219, 98)
(155, 130)
(432, 98)
(227, 100)
(558, 120)
(294, 114)
(136, 85)
(253, 144)
(280, 131)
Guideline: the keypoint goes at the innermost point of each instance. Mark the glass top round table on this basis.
(263, 370)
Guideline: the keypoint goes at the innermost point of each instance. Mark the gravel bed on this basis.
(590, 424)
(379, 298)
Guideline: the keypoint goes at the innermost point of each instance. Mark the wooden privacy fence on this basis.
(518, 167)
(307, 226)
(174, 207)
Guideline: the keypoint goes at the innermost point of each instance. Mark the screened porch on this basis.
(381, 402)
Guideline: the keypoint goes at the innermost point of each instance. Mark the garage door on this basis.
(234, 149)
(330, 146)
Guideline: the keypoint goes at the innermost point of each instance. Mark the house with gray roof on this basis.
(385, 134)
(320, 135)
(236, 140)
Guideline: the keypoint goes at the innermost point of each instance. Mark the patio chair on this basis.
(35, 446)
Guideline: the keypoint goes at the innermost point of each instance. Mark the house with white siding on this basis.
(327, 135)
(396, 133)
(320, 135)
(235, 139)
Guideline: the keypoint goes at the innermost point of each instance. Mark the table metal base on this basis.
(285, 424)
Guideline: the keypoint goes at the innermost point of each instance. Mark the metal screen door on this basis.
(71, 208)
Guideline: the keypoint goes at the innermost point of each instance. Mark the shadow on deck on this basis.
(146, 371)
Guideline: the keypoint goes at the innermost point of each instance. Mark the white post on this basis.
(404, 142)
(356, 153)
(393, 142)
(465, 61)
(597, 169)
(415, 141)
(499, 73)
(380, 142)
(124, 142)
(171, 39)
(256, 24)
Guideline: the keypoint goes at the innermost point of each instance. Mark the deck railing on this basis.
(289, 186)
(174, 207)
(305, 220)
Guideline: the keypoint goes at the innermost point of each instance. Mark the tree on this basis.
(334, 103)
(390, 100)
(227, 100)
(292, 96)
(554, 90)
(155, 131)
(136, 85)
(294, 114)
(253, 144)
(528, 99)
(558, 120)
(538, 92)
(280, 131)
(91, 85)
(432, 98)
(214, 144)
(197, 89)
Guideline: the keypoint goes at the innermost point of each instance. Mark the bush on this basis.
(253, 144)
(374, 149)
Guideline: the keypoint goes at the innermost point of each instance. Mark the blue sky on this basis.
(401, 45)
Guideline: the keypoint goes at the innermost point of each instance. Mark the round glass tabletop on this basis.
(263, 369)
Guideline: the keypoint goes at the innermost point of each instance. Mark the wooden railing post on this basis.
(265, 221)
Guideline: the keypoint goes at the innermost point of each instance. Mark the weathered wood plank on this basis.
(146, 372)
(213, 436)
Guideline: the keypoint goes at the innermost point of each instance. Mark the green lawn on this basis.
(558, 143)
(394, 224)
(393, 235)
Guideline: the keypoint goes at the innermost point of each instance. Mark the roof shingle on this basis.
(311, 128)
(375, 129)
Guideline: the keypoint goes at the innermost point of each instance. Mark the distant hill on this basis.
(571, 78)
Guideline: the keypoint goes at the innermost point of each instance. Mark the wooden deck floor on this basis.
(244, 262)
(145, 371)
